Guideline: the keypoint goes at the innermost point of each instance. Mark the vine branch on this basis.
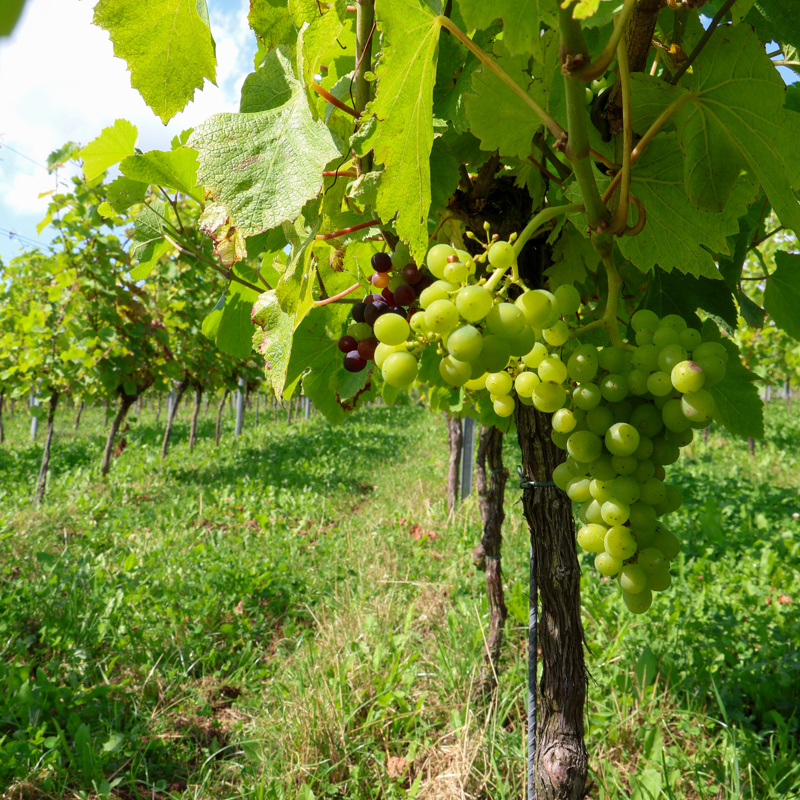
(594, 69)
(719, 16)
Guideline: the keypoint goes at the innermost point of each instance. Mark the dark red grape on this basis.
(411, 274)
(374, 310)
(423, 283)
(404, 294)
(368, 299)
(358, 312)
(398, 310)
(366, 347)
(346, 344)
(354, 361)
(381, 262)
(388, 297)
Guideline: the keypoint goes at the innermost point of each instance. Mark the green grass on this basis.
(294, 615)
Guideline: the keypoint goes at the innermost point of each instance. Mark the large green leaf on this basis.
(235, 334)
(782, 295)
(9, 14)
(521, 20)
(271, 21)
(264, 166)
(318, 38)
(274, 340)
(167, 45)
(148, 239)
(172, 169)
(404, 108)
(109, 148)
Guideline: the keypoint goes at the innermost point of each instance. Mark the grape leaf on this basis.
(213, 319)
(235, 334)
(148, 239)
(271, 21)
(317, 38)
(264, 166)
(782, 295)
(109, 148)
(172, 169)
(403, 106)
(9, 14)
(521, 20)
(274, 340)
(573, 255)
(169, 49)
(776, 20)
(122, 193)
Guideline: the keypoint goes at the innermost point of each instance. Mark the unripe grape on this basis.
(679, 438)
(666, 541)
(645, 470)
(672, 502)
(454, 372)
(583, 364)
(417, 322)
(549, 397)
(521, 345)
(607, 565)
(455, 272)
(645, 448)
(645, 358)
(626, 489)
(673, 321)
(642, 517)
(525, 383)
(391, 329)
(614, 388)
(644, 320)
(659, 384)
(637, 382)
(552, 369)
(475, 384)
(661, 580)
(643, 337)
(437, 259)
(653, 492)
(602, 468)
(611, 359)
(584, 446)
(558, 439)
(503, 406)
(591, 537)
(707, 349)
(689, 338)
(569, 299)
(505, 320)
(438, 290)
(674, 419)
(599, 420)
(564, 420)
(633, 579)
(713, 369)
(615, 512)
(562, 476)
(501, 255)
(687, 376)
(625, 465)
(647, 420)
(698, 406)
(399, 369)
(577, 467)
(623, 410)
(535, 356)
(557, 335)
(638, 603)
(664, 336)
(586, 396)
(467, 260)
(474, 303)
(622, 439)
(464, 343)
(651, 560)
(401, 255)
(600, 490)
(382, 351)
(671, 355)
(578, 489)
(540, 308)
(664, 452)
(441, 316)
(593, 513)
(494, 355)
(620, 543)
(499, 382)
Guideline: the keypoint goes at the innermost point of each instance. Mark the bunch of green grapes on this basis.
(630, 413)
(483, 340)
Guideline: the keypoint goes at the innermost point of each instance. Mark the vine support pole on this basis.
(34, 403)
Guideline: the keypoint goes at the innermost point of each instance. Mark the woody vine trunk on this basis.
(41, 484)
(455, 441)
(125, 402)
(198, 397)
(180, 388)
(220, 409)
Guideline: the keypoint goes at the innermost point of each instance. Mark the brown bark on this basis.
(218, 429)
(125, 402)
(41, 484)
(455, 440)
(81, 407)
(180, 388)
(559, 752)
(491, 486)
(198, 398)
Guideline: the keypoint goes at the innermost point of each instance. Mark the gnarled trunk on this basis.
(559, 759)
(81, 407)
(491, 487)
(180, 388)
(218, 430)
(125, 402)
(455, 440)
(198, 397)
(41, 484)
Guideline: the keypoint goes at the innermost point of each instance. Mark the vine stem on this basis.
(594, 69)
(336, 297)
(608, 322)
(492, 65)
(545, 215)
(334, 101)
(339, 173)
(621, 216)
(344, 231)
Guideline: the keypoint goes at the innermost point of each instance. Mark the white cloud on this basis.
(62, 83)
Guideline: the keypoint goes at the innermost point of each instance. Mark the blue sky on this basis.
(62, 83)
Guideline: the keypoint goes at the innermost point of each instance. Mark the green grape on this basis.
(645, 448)
(391, 329)
(643, 337)
(664, 452)
(698, 406)
(673, 321)
(501, 255)
(615, 512)
(607, 565)
(359, 331)
(600, 490)
(687, 376)
(637, 382)
(528, 401)
(584, 446)
(674, 419)
(569, 299)
(660, 473)
(540, 308)
(476, 384)
(521, 345)
(713, 369)
(599, 420)
(669, 356)
(562, 476)
(653, 492)
(454, 372)
(623, 410)
(624, 465)
(626, 489)
(644, 320)
(638, 603)
(647, 420)
(399, 369)
(439, 290)
(465, 258)
(672, 502)
(622, 439)
(611, 359)
(437, 259)
(552, 369)
(633, 579)
(525, 383)
(602, 468)
(494, 355)
(643, 538)
(563, 420)
(594, 514)
(664, 336)
(660, 581)
(620, 543)
(659, 383)
(499, 382)
(578, 489)
(549, 397)
(614, 388)
(401, 256)
(651, 560)
(706, 349)
(645, 470)
(679, 438)
(505, 320)
(586, 396)
(643, 517)
(666, 541)
(536, 355)
(417, 322)
(474, 303)
(503, 405)
(558, 439)
(591, 537)
(689, 338)
(577, 467)
(441, 316)
(455, 272)
(583, 365)
(384, 350)
(645, 358)
(557, 335)
(464, 343)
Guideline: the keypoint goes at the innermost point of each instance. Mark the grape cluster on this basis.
(631, 412)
